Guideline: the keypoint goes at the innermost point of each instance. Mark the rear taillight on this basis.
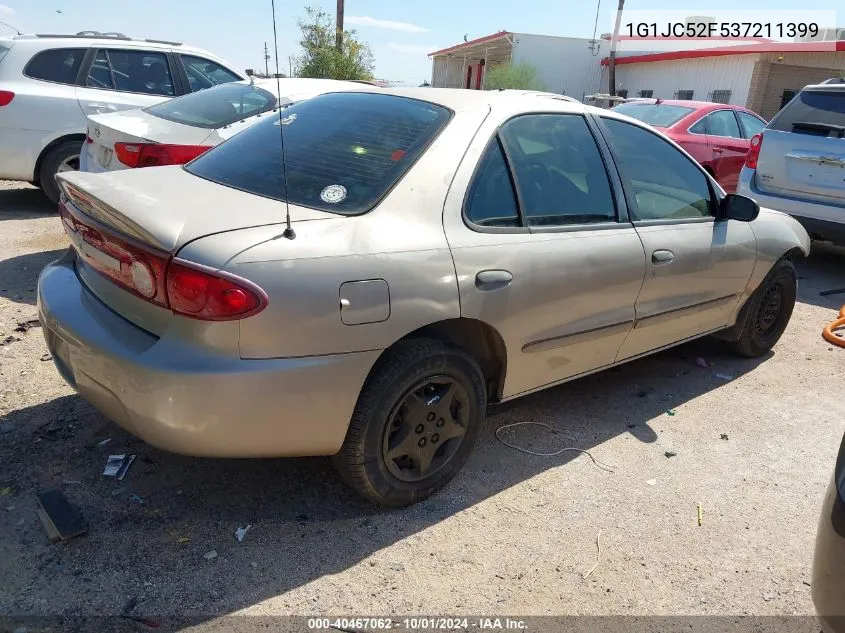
(754, 151)
(185, 288)
(156, 154)
(6, 97)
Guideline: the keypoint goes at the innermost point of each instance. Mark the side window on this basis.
(666, 184)
(490, 199)
(558, 169)
(144, 72)
(700, 127)
(723, 123)
(751, 125)
(100, 74)
(204, 73)
(59, 65)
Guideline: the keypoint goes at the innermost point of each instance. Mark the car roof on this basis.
(695, 105)
(51, 39)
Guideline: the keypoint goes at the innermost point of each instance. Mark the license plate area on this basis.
(104, 155)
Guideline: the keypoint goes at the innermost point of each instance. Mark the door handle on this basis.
(718, 150)
(662, 257)
(493, 279)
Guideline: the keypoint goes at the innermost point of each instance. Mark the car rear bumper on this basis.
(828, 584)
(186, 399)
(822, 221)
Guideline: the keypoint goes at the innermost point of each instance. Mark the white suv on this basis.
(49, 84)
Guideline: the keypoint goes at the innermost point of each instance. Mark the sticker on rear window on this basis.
(333, 194)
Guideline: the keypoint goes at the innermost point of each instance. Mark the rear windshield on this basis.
(815, 112)
(215, 107)
(657, 114)
(342, 151)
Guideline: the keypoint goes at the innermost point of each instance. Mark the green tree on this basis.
(520, 76)
(320, 57)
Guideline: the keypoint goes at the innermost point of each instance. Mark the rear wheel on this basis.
(63, 157)
(415, 423)
(769, 311)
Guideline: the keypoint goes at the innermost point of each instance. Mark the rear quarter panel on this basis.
(401, 242)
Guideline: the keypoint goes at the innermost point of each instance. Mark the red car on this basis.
(715, 134)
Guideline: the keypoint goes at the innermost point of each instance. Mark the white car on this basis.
(179, 130)
(50, 83)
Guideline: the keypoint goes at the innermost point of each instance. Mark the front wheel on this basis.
(769, 311)
(415, 423)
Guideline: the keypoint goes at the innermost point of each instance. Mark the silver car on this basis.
(797, 164)
(412, 256)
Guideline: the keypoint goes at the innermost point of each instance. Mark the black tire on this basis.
(50, 166)
(389, 408)
(769, 311)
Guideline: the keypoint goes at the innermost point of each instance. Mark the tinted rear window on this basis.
(343, 151)
(215, 107)
(659, 114)
(60, 65)
(821, 107)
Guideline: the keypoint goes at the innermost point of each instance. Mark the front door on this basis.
(541, 252)
(727, 146)
(697, 267)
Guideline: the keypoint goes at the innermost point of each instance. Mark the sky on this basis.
(400, 32)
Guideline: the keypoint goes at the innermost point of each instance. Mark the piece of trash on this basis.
(806, 582)
(23, 326)
(183, 539)
(46, 356)
(670, 412)
(598, 554)
(104, 442)
(136, 499)
(60, 519)
(724, 376)
(670, 454)
(701, 362)
(210, 555)
(240, 533)
(9, 340)
(700, 515)
(117, 465)
(651, 482)
(768, 597)
(723, 436)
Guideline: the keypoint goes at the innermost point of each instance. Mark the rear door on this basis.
(696, 266)
(542, 247)
(803, 152)
(120, 79)
(727, 146)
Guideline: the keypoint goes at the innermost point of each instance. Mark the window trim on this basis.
(706, 116)
(83, 64)
(715, 194)
(614, 184)
(97, 49)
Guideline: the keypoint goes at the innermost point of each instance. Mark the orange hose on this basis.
(828, 334)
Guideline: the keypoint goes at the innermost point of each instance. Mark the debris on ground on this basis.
(183, 539)
(723, 436)
(240, 533)
(23, 326)
(210, 555)
(118, 465)
(598, 554)
(9, 340)
(60, 519)
(724, 376)
(701, 362)
(700, 515)
(136, 499)
(103, 442)
(670, 454)
(651, 482)
(768, 597)
(397, 567)
(46, 356)
(670, 412)
(666, 397)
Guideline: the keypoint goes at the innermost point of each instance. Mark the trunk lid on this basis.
(135, 126)
(167, 207)
(803, 151)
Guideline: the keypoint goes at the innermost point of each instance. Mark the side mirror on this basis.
(740, 208)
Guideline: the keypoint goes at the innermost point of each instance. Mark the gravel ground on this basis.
(513, 534)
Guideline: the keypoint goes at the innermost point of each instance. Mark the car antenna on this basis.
(289, 232)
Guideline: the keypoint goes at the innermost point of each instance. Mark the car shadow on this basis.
(822, 272)
(306, 523)
(19, 275)
(24, 203)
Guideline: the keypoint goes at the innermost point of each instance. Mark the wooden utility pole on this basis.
(611, 61)
(339, 27)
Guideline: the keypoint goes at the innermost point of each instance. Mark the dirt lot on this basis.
(514, 534)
